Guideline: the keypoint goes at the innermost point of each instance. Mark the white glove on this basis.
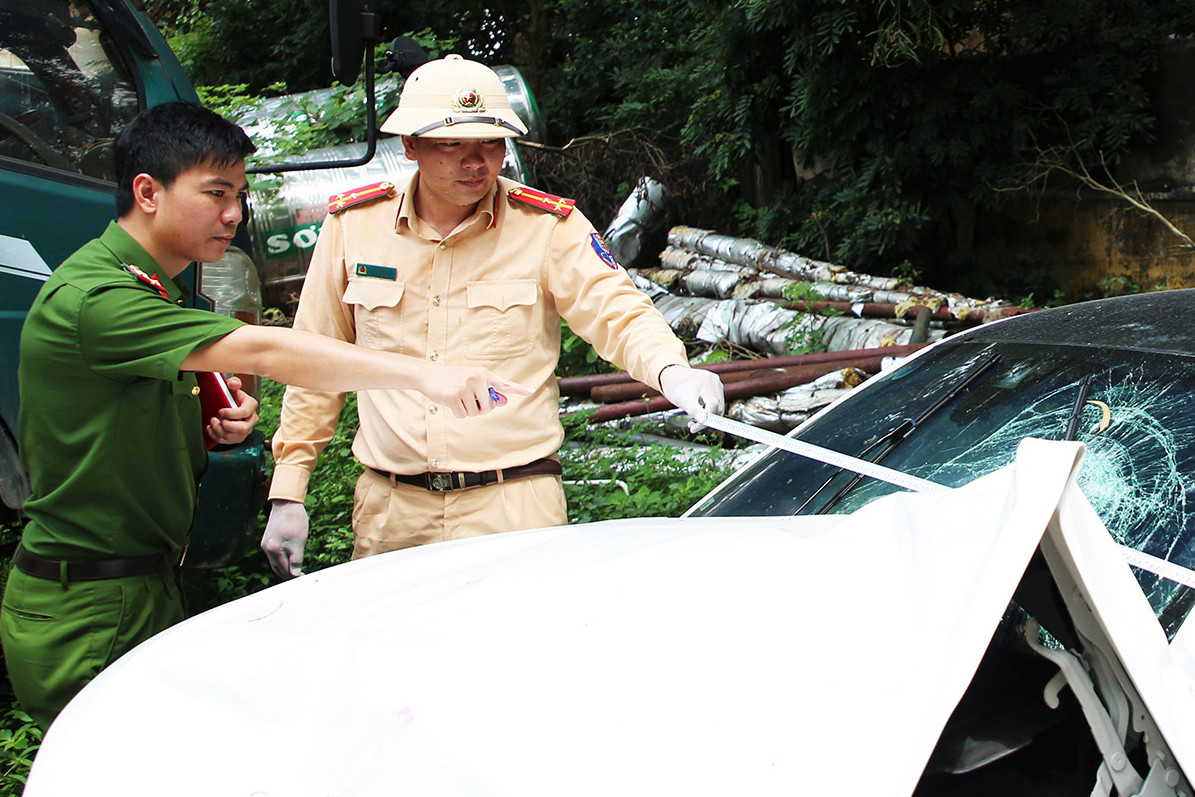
(285, 537)
(693, 390)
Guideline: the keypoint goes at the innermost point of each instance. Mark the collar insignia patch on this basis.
(148, 279)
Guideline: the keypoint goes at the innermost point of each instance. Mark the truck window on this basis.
(64, 89)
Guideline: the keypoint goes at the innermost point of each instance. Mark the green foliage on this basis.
(903, 117)
(717, 354)
(251, 42)
(907, 273)
(805, 334)
(1120, 285)
(864, 132)
(175, 17)
(659, 480)
(19, 740)
(577, 356)
(1030, 301)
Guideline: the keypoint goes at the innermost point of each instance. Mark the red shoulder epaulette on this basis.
(348, 199)
(148, 279)
(538, 199)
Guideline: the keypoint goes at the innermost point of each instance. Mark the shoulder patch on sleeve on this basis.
(358, 196)
(544, 201)
(602, 250)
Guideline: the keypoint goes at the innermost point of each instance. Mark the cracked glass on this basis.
(1136, 419)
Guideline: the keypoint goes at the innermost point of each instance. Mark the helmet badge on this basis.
(469, 101)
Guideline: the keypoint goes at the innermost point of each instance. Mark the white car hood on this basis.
(700, 656)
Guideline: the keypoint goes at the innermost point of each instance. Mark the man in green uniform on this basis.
(110, 427)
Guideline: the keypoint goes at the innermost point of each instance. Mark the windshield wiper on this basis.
(1072, 425)
(887, 443)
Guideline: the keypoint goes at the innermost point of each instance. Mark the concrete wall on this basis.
(1090, 239)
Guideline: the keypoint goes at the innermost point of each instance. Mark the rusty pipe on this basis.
(582, 385)
(771, 381)
(634, 389)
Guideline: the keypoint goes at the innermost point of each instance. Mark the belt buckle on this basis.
(439, 482)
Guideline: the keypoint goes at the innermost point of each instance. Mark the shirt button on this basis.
(178, 302)
(433, 356)
(435, 462)
(195, 390)
(435, 301)
(433, 409)
(443, 245)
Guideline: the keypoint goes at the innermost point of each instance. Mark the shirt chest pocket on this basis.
(377, 312)
(178, 422)
(501, 316)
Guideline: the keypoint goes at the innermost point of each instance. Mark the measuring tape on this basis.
(724, 424)
(1158, 566)
(1139, 559)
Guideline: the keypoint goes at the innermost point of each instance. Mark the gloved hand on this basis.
(693, 390)
(285, 537)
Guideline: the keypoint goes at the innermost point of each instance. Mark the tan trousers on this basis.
(388, 516)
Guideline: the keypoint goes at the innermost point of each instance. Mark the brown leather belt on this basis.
(93, 569)
(459, 480)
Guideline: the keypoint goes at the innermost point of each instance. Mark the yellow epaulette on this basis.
(348, 199)
(538, 199)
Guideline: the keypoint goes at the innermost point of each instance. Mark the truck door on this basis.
(65, 90)
(73, 73)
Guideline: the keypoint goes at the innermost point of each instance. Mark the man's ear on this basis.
(409, 144)
(145, 193)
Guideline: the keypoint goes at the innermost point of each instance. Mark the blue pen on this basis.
(495, 395)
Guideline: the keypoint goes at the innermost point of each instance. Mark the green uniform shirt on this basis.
(110, 430)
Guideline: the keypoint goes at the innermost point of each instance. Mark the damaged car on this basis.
(807, 628)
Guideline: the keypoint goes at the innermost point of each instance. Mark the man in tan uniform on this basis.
(460, 266)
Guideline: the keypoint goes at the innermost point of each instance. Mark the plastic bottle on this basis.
(233, 287)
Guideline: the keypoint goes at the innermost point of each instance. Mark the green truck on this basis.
(72, 74)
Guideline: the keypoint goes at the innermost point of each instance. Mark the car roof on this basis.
(1153, 321)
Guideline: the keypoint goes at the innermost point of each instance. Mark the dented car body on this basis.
(801, 630)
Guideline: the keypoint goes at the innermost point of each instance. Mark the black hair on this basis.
(166, 140)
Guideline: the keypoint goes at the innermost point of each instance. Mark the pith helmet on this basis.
(454, 98)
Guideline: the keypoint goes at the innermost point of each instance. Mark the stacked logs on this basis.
(709, 264)
(737, 293)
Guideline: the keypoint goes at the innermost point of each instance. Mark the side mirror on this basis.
(353, 26)
(403, 56)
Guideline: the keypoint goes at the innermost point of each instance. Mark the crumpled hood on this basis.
(699, 656)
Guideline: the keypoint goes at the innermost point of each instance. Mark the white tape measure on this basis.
(818, 453)
(1158, 566)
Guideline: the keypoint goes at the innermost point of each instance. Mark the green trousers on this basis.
(58, 637)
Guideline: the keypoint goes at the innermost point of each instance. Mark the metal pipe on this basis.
(634, 389)
(767, 383)
(582, 385)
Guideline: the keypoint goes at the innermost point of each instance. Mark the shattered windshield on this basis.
(1137, 420)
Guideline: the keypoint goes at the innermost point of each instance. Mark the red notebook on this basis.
(214, 396)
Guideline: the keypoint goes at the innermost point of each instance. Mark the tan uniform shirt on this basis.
(491, 293)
